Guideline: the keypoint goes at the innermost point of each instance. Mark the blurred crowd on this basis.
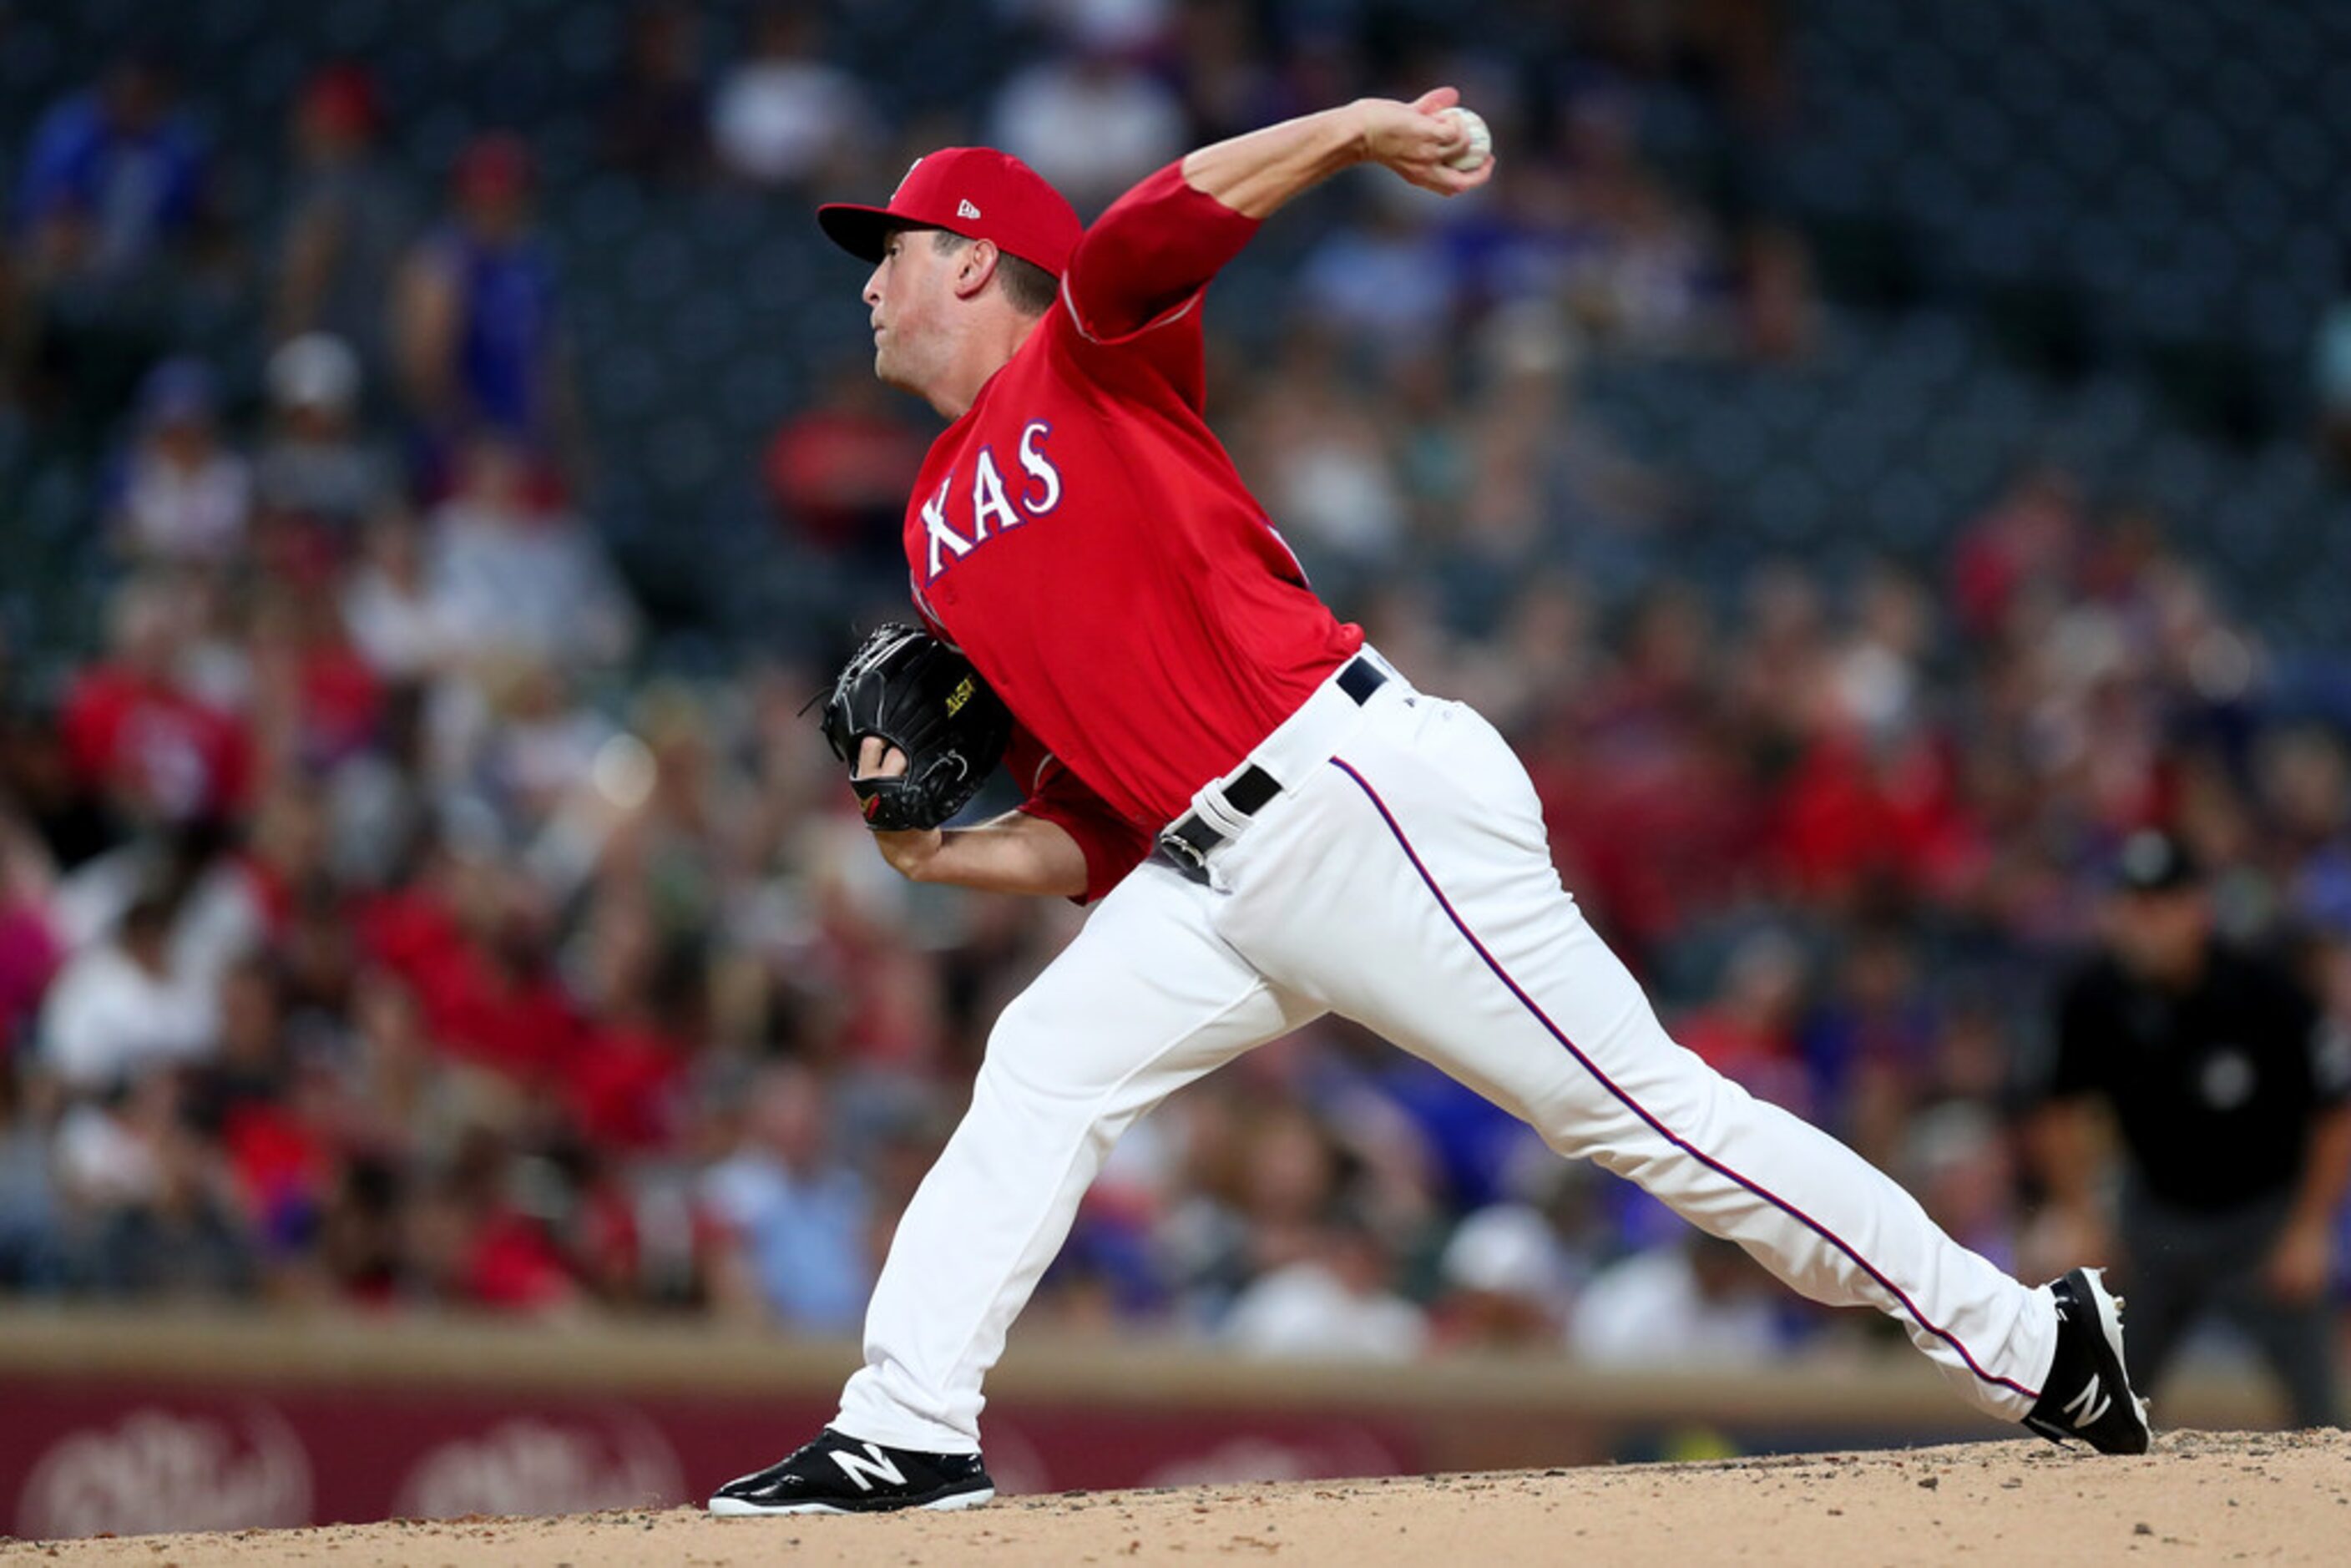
(380, 924)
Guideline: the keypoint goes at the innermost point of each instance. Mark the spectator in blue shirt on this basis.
(476, 324)
(114, 175)
(795, 1220)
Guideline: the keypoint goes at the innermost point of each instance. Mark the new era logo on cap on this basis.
(964, 209)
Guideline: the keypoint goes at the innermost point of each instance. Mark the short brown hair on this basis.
(1030, 288)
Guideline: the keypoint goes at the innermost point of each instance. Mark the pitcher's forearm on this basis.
(1016, 852)
(1254, 175)
(1257, 173)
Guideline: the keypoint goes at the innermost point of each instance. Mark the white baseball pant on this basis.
(1402, 879)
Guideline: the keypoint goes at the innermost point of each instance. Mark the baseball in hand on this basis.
(1481, 140)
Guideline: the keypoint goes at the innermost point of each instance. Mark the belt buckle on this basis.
(1188, 860)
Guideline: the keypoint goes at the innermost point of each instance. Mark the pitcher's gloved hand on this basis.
(920, 696)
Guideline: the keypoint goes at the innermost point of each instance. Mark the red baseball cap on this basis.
(975, 191)
(495, 164)
(342, 98)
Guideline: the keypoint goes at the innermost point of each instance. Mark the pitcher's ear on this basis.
(975, 268)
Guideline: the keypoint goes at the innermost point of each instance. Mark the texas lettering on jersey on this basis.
(957, 520)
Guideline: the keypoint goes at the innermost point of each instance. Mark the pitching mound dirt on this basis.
(2199, 1498)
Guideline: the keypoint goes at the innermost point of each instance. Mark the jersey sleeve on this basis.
(1113, 845)
(1144, 262)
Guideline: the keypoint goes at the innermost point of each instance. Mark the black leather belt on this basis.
(1187, 844)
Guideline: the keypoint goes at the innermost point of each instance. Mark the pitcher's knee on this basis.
(1575, 1125)
(1029, 1041)
(1045, 1071)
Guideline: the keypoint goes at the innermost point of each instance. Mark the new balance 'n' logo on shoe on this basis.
(872, 1462)
(2087, 1405)
(2089, 1394)
(838, 1474)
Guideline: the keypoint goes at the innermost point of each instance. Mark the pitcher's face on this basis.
(907, 297)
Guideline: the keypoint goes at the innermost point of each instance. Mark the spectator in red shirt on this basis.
(316, 701)
(468, 936)
(134, 732)
(2028, 539)
(1749, 1032)
(622, 1079)
(838, 473)
(279, 1163)
(467, 1242)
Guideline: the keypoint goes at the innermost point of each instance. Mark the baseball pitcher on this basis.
(1271, 822)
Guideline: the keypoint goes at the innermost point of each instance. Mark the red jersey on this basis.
(1085, 540)
(171, 753)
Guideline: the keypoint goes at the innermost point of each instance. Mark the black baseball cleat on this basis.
(847, 1475)
(2089, 1394)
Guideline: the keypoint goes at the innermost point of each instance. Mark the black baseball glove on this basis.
(917, 694)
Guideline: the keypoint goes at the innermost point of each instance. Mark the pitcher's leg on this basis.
(1817, 1215)
(1462, 947)
(1144, 1000)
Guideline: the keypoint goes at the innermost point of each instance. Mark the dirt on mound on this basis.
(2198, 1497)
